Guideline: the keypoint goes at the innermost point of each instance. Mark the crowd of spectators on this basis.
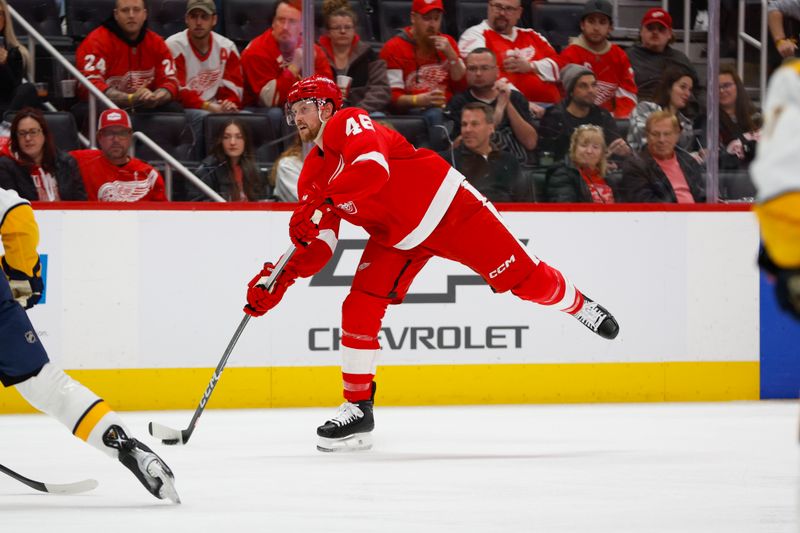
(521, 120)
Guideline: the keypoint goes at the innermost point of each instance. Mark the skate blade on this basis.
(167, 490)
(353, 443)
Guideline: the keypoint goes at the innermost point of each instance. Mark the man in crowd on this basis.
(492, 171)
(273, 61)
(663, 172)
(526, 58)
(578, 108)
(616, 90)
(653, 53)
(208, 66)
(129, 63)
(513, 130)
(423, 65)
(776, 11)
(110, 174)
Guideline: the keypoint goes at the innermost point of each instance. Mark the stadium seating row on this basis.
(242, 20)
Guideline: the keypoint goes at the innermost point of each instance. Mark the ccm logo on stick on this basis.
(502, 268)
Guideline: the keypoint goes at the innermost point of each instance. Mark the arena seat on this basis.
(557, 22)
(169, 130)
(85, 15)
(413, 128)
(41, 14)
(166, 17)
(469, 14)
(62, 127)
(247, 19)
(260, 130)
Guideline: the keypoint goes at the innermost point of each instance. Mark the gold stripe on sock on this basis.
(90, 418)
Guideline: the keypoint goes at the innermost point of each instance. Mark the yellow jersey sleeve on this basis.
(19, 232)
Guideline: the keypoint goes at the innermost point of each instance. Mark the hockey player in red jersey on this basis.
(414, 206)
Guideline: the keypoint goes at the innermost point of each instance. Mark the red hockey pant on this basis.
(471, 233)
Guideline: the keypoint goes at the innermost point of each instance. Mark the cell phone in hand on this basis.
(2, 41)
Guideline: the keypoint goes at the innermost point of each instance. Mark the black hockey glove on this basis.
(26, 290)
(787, 283)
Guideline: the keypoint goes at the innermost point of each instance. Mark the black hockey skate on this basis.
(350, 429)
(597, 318)
(148, 467)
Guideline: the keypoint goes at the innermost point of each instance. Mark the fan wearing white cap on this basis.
(110, 174)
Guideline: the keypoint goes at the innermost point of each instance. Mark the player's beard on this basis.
(309, 134)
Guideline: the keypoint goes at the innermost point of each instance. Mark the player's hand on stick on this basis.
(304, 224)
(259, 299)
(27, 290)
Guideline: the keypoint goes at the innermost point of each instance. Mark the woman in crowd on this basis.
(32, 165)
(739, 122)
(583, 177)
(231, 168)
(14, 60)
(672, 94)
(353, 62)
(286, 171)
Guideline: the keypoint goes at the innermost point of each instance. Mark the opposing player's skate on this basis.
(597, 318)
(350, 429)
(148, 467)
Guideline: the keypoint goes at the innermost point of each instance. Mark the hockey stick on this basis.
(53, 488)
(172, 436)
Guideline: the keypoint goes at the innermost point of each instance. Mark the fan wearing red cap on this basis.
(110, 174)
(414, 206)
(651, 56)
(422, 63)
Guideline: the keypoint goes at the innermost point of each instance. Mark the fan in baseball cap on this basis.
(425, 6)
(203, 5)
(114, 117)
(658, 16)
(602, 7)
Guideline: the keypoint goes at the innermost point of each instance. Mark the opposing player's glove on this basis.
(787, 283)
(304, 224)
(26, 290)
(259, 299)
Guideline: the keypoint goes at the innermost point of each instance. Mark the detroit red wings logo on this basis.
(127, 191)
(428, 77)
(207, 79)
(348, 207)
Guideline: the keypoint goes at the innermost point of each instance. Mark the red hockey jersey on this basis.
(108, 61)
(410, 74)
(211, 77)
(106, 182)
(262, 62)
(616, 89)
(377, 180)
(525, 43)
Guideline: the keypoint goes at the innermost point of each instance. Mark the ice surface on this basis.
(728, 467)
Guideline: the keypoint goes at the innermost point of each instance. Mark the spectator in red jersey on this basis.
(32, 165)
(273, 61)
(129, 63)
(423, 65)
(208, 67)
(616, 90)
(110, 174)
(525, 56)
(583, 177)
